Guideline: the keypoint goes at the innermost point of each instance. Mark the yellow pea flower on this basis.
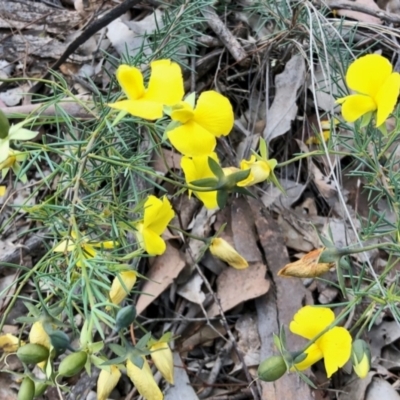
(107, 381)
(38, 335)
(13, 161)
(144, 381)
(88, 247)
(377, 88)
(3, 190)
(118, 292)
(196, 168)
(334, 346)
(220, 248)
(9, 343)
(165, 88)
(163, 359)
(260, 170)
(361, 358)
(211, 118)
(157, 215)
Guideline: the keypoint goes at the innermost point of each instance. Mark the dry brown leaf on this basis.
(161, 274)
(205, 336)
(359, 16)
(237, 286)
(284, 108)
(191, 290)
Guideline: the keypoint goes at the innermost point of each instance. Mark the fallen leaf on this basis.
(381, 389)
(237, 286)
(162, 273)
(191, 290)
(284, 108)
(356, 388)
(359, 16)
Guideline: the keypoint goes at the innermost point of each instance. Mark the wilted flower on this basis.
(165, 88)
(107, 381)
(163, 359)
(307, 267)
(220, 248)
(157, 215)
(260, 170)
(38, 335)
(10, 343)
(144, 381)
(334, 346)
(377, 88)
(3, 190)
(16, 132)
(211, 118)
(88, 247)
(361, 358)
(118, 292)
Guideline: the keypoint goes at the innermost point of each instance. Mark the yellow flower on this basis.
(144, 381)
(334, 346)
(107, 381)
(88, 247)
(260, 170)
(196, 168)
(163, 359)
(307, 267)
(118, 292)
(38, 335)
(165, 88)
(9, 343)
(157, 215)
(13, 161)
(377, 88)
(212, 118)
(222, 249)
(3, 190)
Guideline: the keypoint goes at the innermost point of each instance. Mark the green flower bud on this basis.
(125, 317)
(361, 358)
(4, 125)
(32, 353)
(72, 364)
(272, 369)
(40, 388)
(26, 390)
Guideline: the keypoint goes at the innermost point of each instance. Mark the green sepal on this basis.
(117, 349)
(116, 360)
(211, 183)
(222, 198)
(216, 169)
(366, 119)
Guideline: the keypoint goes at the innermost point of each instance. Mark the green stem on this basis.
(312, 153)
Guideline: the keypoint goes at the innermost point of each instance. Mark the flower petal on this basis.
(143, 380)
(163, 359)
(118, 292)
(182, 112)
(314, 354)
(367, 74)
(260, 171)
(9, 343)
(196, 168)
(166, 83)
(22, 134)
(38, 335)
(107, 381)
(191, 139)
(336, 348)
(309, 321)
(356, 105)
(214, 113)
(157, 214)
(65, 245)
(222, 249)
(153, 243)
(140, 108)
(386, 98)
(4, 148)
(131, 81)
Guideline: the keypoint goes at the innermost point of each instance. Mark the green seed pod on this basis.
(60, 341)
(32, 353)
(72, 364)
(4, 125)
(125, 317)
(272, 369)
(26, 390)
(40, 388)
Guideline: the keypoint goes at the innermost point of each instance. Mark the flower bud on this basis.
(163, 359)
(143, 380)
(72, 364)
(361, 358)
(107, 382)
(32, 353)
(4, 125)
(26, 390)
(272, 369)
(125, 317)
(119, 292)
(220, 248)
